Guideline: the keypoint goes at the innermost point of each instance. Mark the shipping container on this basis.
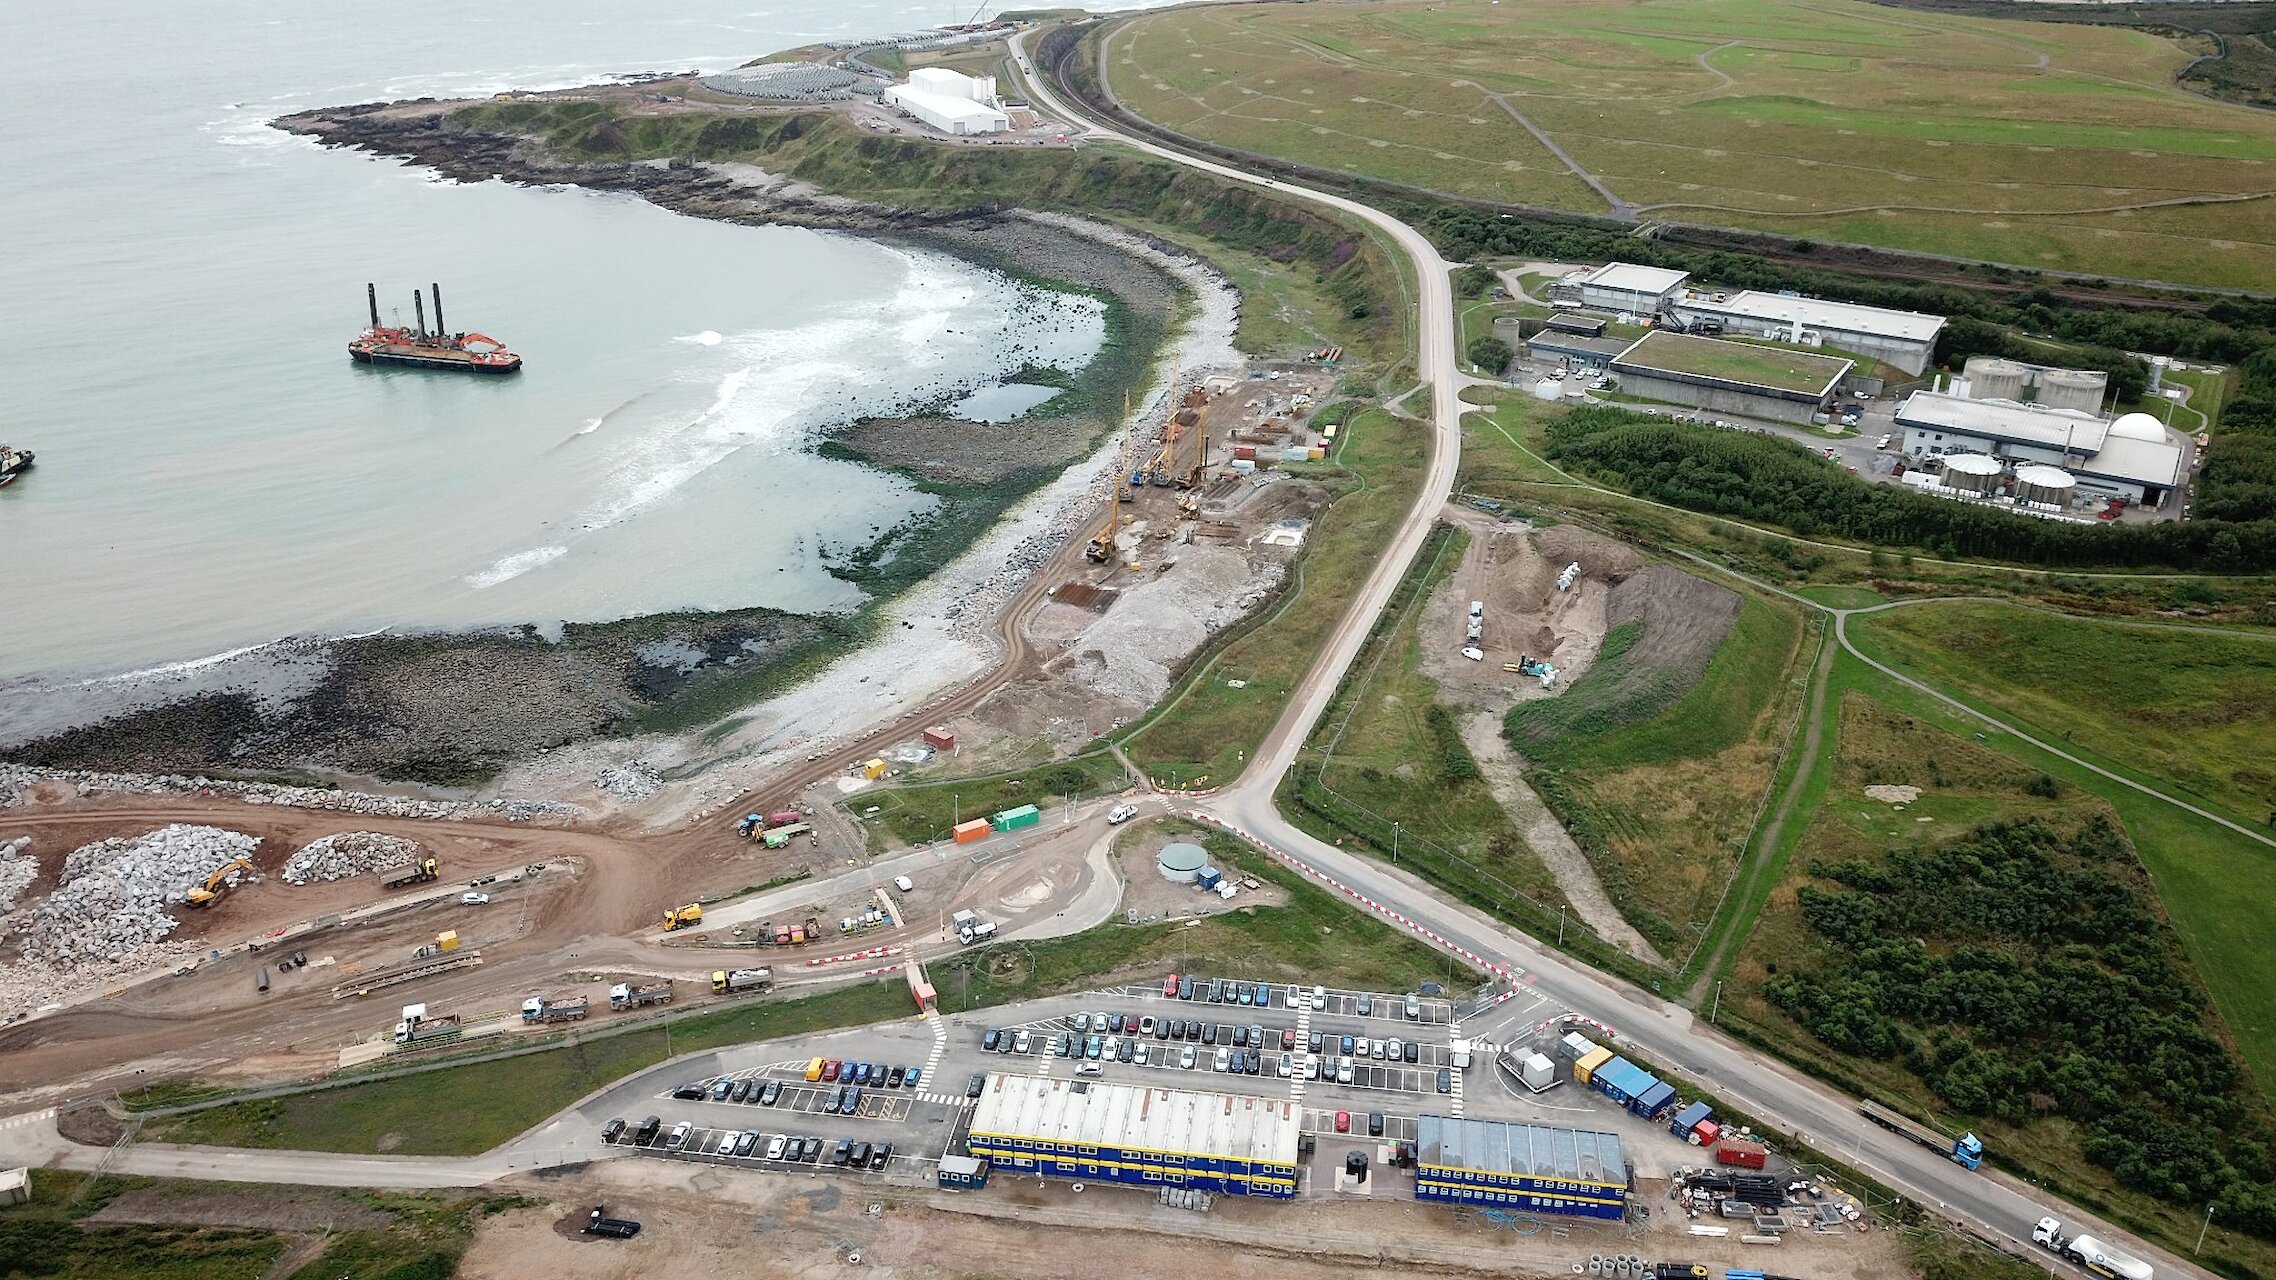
(1746, 1155)
(940, 739)
(1586, 1066)
(1687, 1120)
(1208, 877)
(1247, 452)
(874, 770)
(976, 829)
(1027, 815)
(1243, 464)
(1296, 454)
(1705, 1132)
(1621, 1080)
(1575, 1046)
(1318, 453)
(1653, 1103)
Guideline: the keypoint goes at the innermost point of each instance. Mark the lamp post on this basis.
(2202, 1230)
(1718, 1005)
(1394, 844)
(1561, 927)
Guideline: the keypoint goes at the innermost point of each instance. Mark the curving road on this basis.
(1999, 1206)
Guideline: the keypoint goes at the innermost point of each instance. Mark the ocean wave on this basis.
(514, 566)
(708, 338)
(182, 668)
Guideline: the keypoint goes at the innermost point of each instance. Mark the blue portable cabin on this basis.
(1092, 1131)
(1530, 1167)
(1208, 877)
(963, 1173)
(1622, 1080)
(1686, 1121)
(1653, 1103)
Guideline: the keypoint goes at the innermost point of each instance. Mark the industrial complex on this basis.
(1226, 1143)
(1905, 339)
(2133, 457)
(1732, 377)
(950, 101)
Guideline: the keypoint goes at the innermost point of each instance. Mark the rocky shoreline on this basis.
(449, 712)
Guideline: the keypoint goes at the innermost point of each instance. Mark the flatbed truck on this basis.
(1966, 1150)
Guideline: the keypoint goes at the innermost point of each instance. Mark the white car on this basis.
(1022, 1042)
(1224, 1058)
(1143, 1055)
(904, 884)
(1311, 1068)
(1120, 814)
(474, 899)
(1394, 1049)
(1884, 442)
(1319, 999)
(774, 1147)
(1185, 1057)
(1376, 1047)
(1343, 1071)
(1089, 1069)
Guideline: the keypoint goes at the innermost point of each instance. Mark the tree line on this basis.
(2020, 973)
(1762, 478)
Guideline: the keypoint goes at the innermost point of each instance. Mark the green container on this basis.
(1027, 815)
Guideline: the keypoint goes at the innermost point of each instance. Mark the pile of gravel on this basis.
(17, 870)
(16, 781)
(629, 782)
(348, 854)
(114, 894)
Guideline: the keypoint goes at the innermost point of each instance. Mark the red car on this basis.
(1288, 1037)
(1170, 986)
(1343, 1122)
(831, 1068)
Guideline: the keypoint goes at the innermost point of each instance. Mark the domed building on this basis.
(2133, 457)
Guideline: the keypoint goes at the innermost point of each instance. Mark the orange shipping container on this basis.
(940, 739)
(977, 829)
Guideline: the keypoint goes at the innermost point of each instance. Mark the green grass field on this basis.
(2062, 146)
(1746, 362)
(1204, 731)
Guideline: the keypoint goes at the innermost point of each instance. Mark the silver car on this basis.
(1343, 1071)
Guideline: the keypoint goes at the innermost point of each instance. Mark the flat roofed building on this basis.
(2134, 457)
(1579, 349)
(1090, 1130)
(1906, 339)
(950, 101)
(1532, 1167)
(1740, 378)
(1624, 286)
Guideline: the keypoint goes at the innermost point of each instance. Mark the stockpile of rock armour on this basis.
(17, 869)
(348, 854)
(114, 894)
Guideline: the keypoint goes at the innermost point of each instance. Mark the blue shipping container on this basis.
(1688, 1119)
(1621, 1080)
(1208, 877)
(1652, 1103)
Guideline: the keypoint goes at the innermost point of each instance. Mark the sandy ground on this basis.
(702, 1221)
(1513, 570)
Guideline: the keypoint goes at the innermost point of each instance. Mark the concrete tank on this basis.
(2037, 482)
(1991, 378)
(2079, 389)
(1511, 330)
(1181, 863)
(1976, 473)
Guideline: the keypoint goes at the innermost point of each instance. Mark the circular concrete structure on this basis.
(2079, 389)
(1991, 378)
(1976, 473)
(1181, 863)
(2038, 482)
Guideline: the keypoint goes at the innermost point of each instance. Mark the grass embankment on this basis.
(2037, 994)
(491, 1102)
(1314, 937)
(1761, 101)
(398, 1236)
(1660, 785)
(1206, 728)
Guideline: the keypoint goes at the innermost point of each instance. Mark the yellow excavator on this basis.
(216, 886)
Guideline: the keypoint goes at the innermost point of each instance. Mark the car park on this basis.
(976, 1084)
(613, 1130)
(679, 1136)
(1374, 1124)
(1343, 1122)
(776, 1145)
(880, 1154)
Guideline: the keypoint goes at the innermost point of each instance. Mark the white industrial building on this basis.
(1620, 286)
(950, 101)
(2134, 457)
(1906, 339)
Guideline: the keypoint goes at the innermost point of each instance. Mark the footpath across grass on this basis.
(1207, 728)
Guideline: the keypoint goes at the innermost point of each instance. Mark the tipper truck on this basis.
(418, 872)
(417, 1028)
(554, 1009)
(2090, 1253)
(723, 980)
(626, 996)
(1965, 1150)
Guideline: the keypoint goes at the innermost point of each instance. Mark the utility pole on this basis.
(1718, 1006)
(1561, 926)
(2202, 1230)
(1394, 844)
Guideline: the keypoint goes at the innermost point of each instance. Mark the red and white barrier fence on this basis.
(872, 954)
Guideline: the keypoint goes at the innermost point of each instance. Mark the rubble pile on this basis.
(16, 783)
(348, 854)
(629, 782)
(114, 893)
(17, 870)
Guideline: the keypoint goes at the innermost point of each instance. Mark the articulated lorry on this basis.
(554, 1009)
(2088, 1252)
(728, 982)
(417, 1028)
(418, 872)
(1965, 1150)
(626, 996)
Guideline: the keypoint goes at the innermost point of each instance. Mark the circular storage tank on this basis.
(1976, 473)
(1181, 863)
(1992, 378)
(1510, 329)
(2138, 426)
(2079, 389)
(2038, 482)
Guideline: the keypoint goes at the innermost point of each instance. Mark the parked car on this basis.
(974, 1086)
(860, 1156)
(690, 1092)
(1375, 1047)
(1144, 1056)
(1170, 986)
(1185, 1057)
(1125, 1050)
(1395, 1050)
(1366, 1004)
(880, 1154)
(904, 884)
(988, 1041)
(1414, 1051)
(1114, 1023)
(1080, 1022)
(811, 1151)
(744, 1144)
(831, 1069)
(1224, 1058)
(1094, 1047)
(679, 1136)
(894, 1077)
(1185, 988)
(1343, 1071)
(613, 1130)
(647, 1131)
(1146, 1025)
(853, 1101)
(1287, 1065)
(1319, 999)
(722, 1090)
(1288, 1037)
(776, 1145)
(1446, 1080)
(1021, 1043)
(1414, 1007)
(1318, 1038)
(1348, 1042)
(843, 1152)
(1343, 1122)
(915, 1076)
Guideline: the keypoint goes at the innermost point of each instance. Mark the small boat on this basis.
(13, 463)
(442, 349)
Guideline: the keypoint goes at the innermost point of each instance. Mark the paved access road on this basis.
(1661, 1030)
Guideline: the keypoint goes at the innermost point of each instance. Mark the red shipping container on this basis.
(940, 739)
(1248, 451)
(784, 818)
(1706, 1131)
(1747, 1155)
(977, 829)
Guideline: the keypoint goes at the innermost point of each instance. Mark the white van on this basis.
(904, 883)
